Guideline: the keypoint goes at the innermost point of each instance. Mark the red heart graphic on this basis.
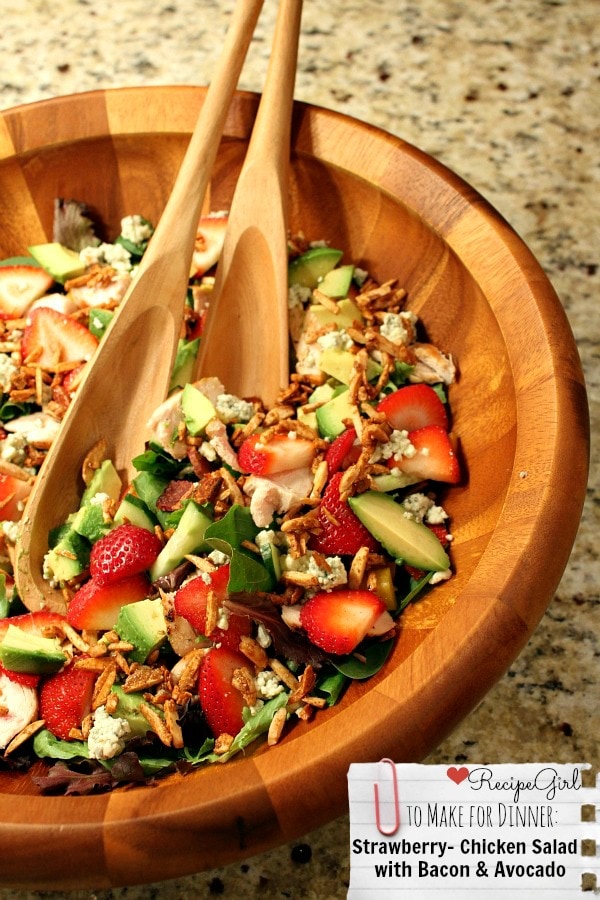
(457, 775)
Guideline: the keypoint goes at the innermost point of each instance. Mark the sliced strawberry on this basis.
(435, 458)
(209, 243)
(33, 622)
(66, 699)
(19, 287)
(126, 550)
(342, 452)
(412, 407)
(280, 454)
(341, 531)
(72, 379)
(13, 494)
(23, 678)
(50, 338)
(96, 607)
(221, 702)
(338, 620)
(191, 602)
(441, 533)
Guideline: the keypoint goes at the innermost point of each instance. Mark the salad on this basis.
(259, 560)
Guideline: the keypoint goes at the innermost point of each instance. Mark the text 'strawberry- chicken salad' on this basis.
(258, 561)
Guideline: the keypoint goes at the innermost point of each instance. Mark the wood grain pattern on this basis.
(519, 408)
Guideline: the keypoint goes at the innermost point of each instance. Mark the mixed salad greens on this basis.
(259, 560)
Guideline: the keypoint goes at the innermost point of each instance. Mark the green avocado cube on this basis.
(30, 653)
(142, 624)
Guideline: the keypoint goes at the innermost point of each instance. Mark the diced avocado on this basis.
(332, 415)
(30, 653)
(392, 482)
(99, 320)
(90, 522)
(197, 409)
(20, 261)
(128, 708)
(105, 480)
(68, 557)
(133, 510)
(337, 282)
(308, 417)
(381, 581)
(340, 364)
(183, 367)
(142, 624)
(149, 487)
(322, 393)
(311, 267)
(187, 538)
(348, 313)
(404, 539)
(58, 260)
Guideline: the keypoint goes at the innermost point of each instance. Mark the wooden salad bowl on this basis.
(519, 410)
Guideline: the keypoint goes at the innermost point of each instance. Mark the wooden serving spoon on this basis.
(131, 369)
(245, 340)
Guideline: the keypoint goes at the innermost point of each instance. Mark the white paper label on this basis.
(477, 831)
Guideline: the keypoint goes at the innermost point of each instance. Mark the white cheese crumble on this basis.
(10, 530)
(207, 450)
(218, 558)
(8, 368)
(263, 638)
(231, 409)
(328, 578)
(99, 499)
(422, 508)
(399, 328)
(298, 296)
(136, 229)
(107, 735)
(268, 685)
(397, 447)
(13, 448)
(337, 339)
(114, 255)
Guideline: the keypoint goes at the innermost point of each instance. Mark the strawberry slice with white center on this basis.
(66, 699)
(281, 453)
(95, 607)
(20, 285)
(209, 243)
(13, 494)
(338, 620)
(221, 702)
(191, 602)
(435, 459)
(34, 622)
(412, 407)
(51, 338)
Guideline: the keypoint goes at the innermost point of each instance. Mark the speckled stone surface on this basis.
(507, 95)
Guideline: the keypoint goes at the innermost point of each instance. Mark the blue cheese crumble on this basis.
(107, 737)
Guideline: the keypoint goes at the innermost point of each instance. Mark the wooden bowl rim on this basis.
(490, 627)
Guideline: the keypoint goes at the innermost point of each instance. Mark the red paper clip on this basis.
(396, 824)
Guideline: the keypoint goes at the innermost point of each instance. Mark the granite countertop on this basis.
(507, 96)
